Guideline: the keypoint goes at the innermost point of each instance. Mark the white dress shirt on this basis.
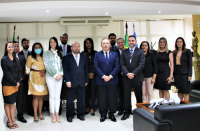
(78, 58)
(25, 54)
(65, 48)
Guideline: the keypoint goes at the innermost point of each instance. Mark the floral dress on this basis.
(37, 82)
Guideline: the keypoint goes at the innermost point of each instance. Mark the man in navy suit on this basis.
(106, 65)
(75, 67)
(64, 47)
(132, 62)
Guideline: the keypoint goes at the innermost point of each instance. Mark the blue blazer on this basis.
(102, 68)
(68, 48)
(78, 76)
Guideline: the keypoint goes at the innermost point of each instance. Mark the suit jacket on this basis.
(22, 62)
(119, 73)
(136, 66)
(78, 76)
(101, 67)
(11, 71)
(115, 49)
(68, 48)
(186, 63)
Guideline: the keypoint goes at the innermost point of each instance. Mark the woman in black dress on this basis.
(10, 82)
(165, 72)
(182, 68)
(150, 71)
(90, 93)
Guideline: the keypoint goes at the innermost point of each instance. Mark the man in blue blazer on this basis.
(64, 47)
(106, 65)
(75, 68)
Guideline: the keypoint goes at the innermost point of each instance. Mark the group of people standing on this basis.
(114, 70)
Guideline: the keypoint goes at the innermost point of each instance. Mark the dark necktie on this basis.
(107, 57)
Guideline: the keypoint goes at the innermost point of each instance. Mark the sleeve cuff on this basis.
(103, 76)
(68, 82)
(55, 76)
(111, 76)
(61, 73)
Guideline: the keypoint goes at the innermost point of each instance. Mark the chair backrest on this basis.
(183, 117)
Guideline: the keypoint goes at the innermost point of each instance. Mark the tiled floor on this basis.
(91, 123)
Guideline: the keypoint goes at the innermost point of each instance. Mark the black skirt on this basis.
(181, 81)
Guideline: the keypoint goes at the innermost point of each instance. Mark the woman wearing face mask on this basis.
(54, 72)
(10, 82)
(150, 71)
(182, 68)
(165, 69)
(37, 83)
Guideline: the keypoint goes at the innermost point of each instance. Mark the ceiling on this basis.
(35, 10)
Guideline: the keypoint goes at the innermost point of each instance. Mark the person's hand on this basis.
(106, 78)
(130, 75)
(169, 79)
(18, 84)
(86, 84)
(153, 80)
(91, 75)
(69, 85)
(21, 79)
(189, 78)
(58, 77)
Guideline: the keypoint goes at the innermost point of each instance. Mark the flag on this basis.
(126, 37)
(18, 43)
(134, 34)
(14, 33)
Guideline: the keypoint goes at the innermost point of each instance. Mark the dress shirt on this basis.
(17, 56)
(108, 58)
(130, 52)
(25, 54)
(65, 48)
(78, 58)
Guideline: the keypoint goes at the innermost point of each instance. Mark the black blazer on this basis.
(78, 76)
(186, 63)
(136, 66)
(90, 57)
(151, 66)
(11, 71)
(22, 62)
(119, 74)
(68, 48)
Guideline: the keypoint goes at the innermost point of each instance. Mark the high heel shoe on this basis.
(15, 124)
(36, 121)
(58, 120)
(41, 118)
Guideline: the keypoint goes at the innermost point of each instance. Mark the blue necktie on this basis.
(64, 50)
(131, 51)
(76, 58)
(106, 57)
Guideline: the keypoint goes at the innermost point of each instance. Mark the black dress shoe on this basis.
(22, 119)
(113, 119)
(87, 112)
(92, 114)
(102, 119)
(125, 116)
(120, 112)
(81, 118)
(69, 119)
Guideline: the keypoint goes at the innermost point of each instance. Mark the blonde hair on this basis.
(166, 45)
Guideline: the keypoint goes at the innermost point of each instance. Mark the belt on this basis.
(42, 71)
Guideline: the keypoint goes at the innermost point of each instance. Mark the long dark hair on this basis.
(33, 54)
(91, 41)
(148, 51)
(6, 52)
(176, 47)
(55, 39)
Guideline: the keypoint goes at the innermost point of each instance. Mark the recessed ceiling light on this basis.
(106, 13)
(159, 12)
(47, 11)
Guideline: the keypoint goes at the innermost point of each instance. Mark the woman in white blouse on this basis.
(54, 72)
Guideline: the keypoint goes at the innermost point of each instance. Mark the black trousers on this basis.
(109, 91)
(137, 86)
(23, 91)
(80, 93)
(90, 93)
(120, 96)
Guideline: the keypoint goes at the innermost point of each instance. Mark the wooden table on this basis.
(146, 105)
